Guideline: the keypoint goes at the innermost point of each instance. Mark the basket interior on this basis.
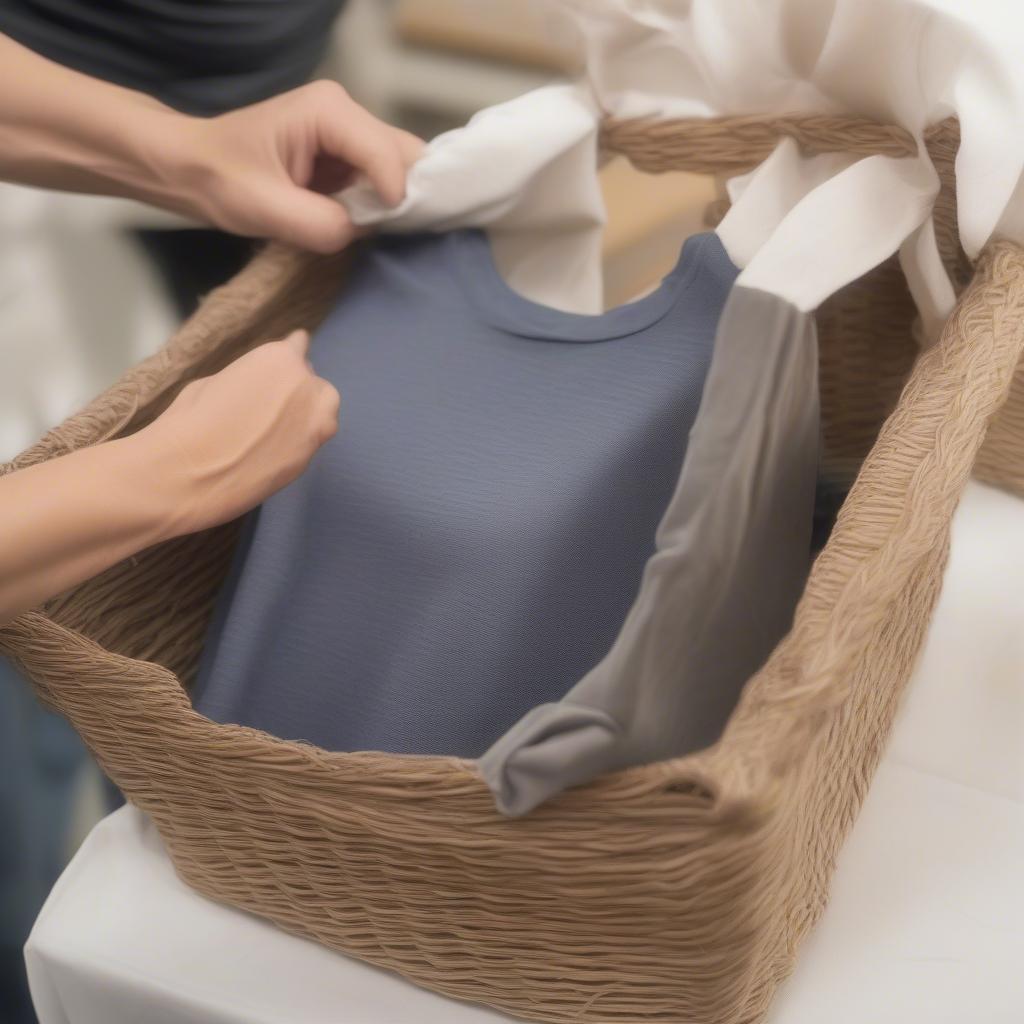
(156, 606)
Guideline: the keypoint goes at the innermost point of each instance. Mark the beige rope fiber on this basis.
(732, 145)
(674, 892)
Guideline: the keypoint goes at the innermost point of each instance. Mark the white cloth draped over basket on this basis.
(800, 228)
(526, 169)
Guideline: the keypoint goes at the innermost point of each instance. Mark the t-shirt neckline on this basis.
(496, 302)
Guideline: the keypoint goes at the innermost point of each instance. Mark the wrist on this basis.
(160, 160)
(160, 479)
(172, 154)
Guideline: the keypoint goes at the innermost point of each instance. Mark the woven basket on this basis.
(677, 891)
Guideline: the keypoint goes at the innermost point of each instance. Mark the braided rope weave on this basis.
(672, 892)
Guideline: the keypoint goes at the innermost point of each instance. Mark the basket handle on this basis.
(734, 145)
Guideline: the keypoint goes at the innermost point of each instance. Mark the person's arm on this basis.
(258, 171)
(224, 444)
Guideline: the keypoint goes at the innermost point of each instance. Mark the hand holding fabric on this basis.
(263, 170)
(259, 171)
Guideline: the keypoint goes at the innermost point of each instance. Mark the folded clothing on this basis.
(469, 543)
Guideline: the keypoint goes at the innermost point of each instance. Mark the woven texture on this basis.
(674, 892)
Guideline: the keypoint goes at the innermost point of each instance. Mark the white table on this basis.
(925, 926)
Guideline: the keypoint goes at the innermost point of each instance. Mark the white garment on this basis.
(924, 926)
(525, 168)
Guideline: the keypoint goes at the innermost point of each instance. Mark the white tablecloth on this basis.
(925, 926)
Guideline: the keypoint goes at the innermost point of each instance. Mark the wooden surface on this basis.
(649, 216)
(515, 32)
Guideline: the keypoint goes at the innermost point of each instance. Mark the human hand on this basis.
(224, 444)
(262, 171)
(229, 441)
(259, 171)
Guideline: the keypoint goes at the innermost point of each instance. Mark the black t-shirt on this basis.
(199, 56)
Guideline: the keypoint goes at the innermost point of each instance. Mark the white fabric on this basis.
(906, 62)
(925, 924)
(527, 171)
(78, 305)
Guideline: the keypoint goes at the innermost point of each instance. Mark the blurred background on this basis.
(89, 286)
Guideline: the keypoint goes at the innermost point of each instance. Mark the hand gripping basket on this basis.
(674, 892)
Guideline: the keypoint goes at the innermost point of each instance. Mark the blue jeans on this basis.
(40, 763)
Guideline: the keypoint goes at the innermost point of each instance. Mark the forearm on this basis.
(65, 520)
(64, 130)
(264, 171)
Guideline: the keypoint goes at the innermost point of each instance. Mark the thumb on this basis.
(308, 220)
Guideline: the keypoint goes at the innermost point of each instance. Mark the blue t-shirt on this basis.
(469, 543)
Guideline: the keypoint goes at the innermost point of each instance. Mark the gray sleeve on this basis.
(732, 553)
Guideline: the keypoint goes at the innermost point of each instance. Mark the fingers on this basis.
(347, 132)
(267, 165)
(324, 401)
(298, 340)
(410, 146)
(328, 407)
(305, 219)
